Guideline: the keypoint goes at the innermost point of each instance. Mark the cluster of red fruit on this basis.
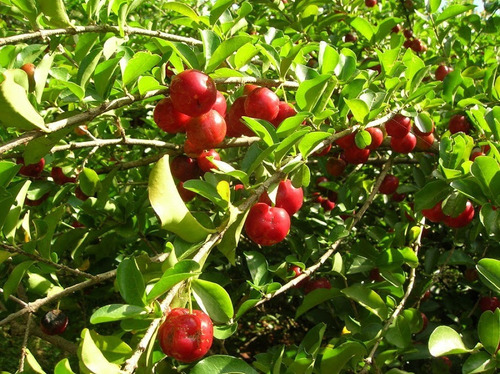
(267, 224)
(436, 214)
(307, 284)
(414, 43)
(186, 336)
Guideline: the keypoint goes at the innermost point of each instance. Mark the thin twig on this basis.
(25, 343)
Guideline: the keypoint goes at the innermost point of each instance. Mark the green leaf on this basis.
(15, 277)
(52, 219)
(244, 55)
(310, 141)
(226, 49)
(92, 358)
(15, 107)
(130, 282)
(225, 331)
(218, 8)
(346, 66)
(363, 139)
(55, 12)
(446, 341)
(434, 6)
(181, 271)
(139, 64)
(32, 363)
(258, 267)
(368, 299)
(359, 109)
(262, 129)
(117, 312)
(210, 43)
(63, 367)
(487, 172)
(148, 83)
(105, 75)
(453, 11)
(455, 150)
(363, 27)
(385, 28)
(429, 195)
(232, 236)
(336, 359)
(399, 334)
(169, 206)
(183, 9)
(310, 92)
(314, 298)
(489, 273)
(328, 58)
(424, 122)
(89, 181)
(286, 144)
(213, 299)
(479, 362)
(8, 170)
(39, 147)
(11, 220)
(488, 330)
(222, 365)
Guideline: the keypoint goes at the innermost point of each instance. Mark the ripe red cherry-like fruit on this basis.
(327, 205)
(471, 274)
(324, 151)
(185, 336)
(463, 219)
(434, 214)
(317, 283)
(346, 141)
(405, 144)
(377, 137)
(31, 170)
(408, 33)
(267, 225)
(235, 126)
(80, 195)
(424, 142)
(375, 275)
(54, 322)
(59, 178)
(285, 111)
(190, 150)
(298, 271)
(168, 119)
(389, 184)
(205, 164)
(220, 104)
(262, 103)
(249, 88)
(207, 130)
(398, 126)
(289, 197)
(398, 197)
(417, 46)
(193, 92)
(354, 155)
(185, 194)
(442, 71)
(335, 166)
(349, 37)
(489, 303)
(184, 168)
(396, 29)
(370, 3)
(459, 123)
(425, 322)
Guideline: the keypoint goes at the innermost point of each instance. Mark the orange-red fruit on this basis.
(463, 219)
(235, 126)
(408, 33)
(346, 141)
(396, 29)
(398, 126)
(205, 164)
(220, 104)
(285, 111)
(389, 184)
(79, 194)
(425, 142)
(168, 119)
(317, 283)
(262, 103)
(207, 130)
(59, 178)
(405, 144)
(327, 204)
(190, 150)
(354, 155)
(249, 88)
(377, 137)
(184, 168)
(335, 166)
(370, 3)
(434, 214)
(31, 170)
(442, 71)
(186, 195)
(349, 37)
(54, 322)
(289, 197)
(193, 92)
(459, 123)
(267, 225)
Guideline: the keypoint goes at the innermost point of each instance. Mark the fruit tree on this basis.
(268, 186)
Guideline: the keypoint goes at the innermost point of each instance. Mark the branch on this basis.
(25, 343)
(42, 34)
(61, 267)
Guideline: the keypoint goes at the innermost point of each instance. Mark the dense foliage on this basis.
(347, 222)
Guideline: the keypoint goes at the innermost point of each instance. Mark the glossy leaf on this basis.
(138, 65)
(117, 312)
(213, 299)
(368, 299)
(92, 358)
(446, 341)
(130, 282)
(181, 271)
(489, 273)
(223, 365)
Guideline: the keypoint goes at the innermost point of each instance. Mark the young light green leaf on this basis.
(92, 358)
(488, 329)
(15, 278)
(359, 109)
(363, 27)
(55, 12)
(183, 9)
(226, 49)
(181, 271)
(139, 64)
(310, 91)
(222, 365)
(489, 273)
(89, 181)
(367, 298)
(453, 11)
(169, 206)
(63, 367)
(446, 341)
(213, 299)
(117, 312)
(336, 359)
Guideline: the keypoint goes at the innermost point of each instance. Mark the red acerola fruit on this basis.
(398, 197)
(324, 151)
(289, 197)
(190, 150)
(354, 155)
(285, 111)
(205, 164)
(31, 170)
(434, 214)
(442, 71)
(396, 29)
(446, 360)
(298, 271)
(235, 126)
(81, 130)
(375, 275)
(475, 153)
(333, 196)
(405, 144)
(30, 71)
(320, 180)
(54, 322)
(80, 195)
(262, 103)
(184, 168)
(346, 141)
(317, 198)
(335, 166)
(59, 178)
(417, 46)
(220, 104)
(185, 194)
(389, 184)
(377, 137)
(207, 130)
(425, 322)
(350, 38)
(489, 303)
(193, 92)
(459, 123)
(471, 274)
(267, 225)
(185, 336)
(370, 3)
(249, 88)
(408, 33)
(398, 126)
(407, 43)
(168, 119)
(36, 202)
(328, 205)
(463, 219)
(424, 142)
(317, 283)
